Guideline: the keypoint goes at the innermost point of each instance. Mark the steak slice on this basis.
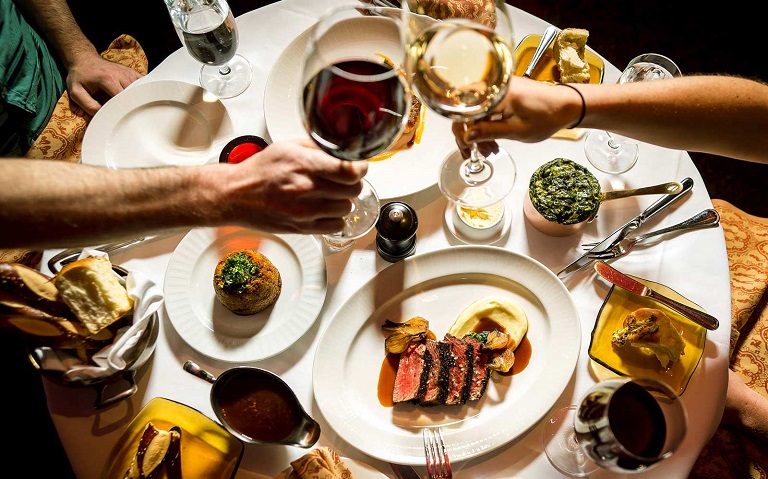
(433, 393)
(460, 373)
(480, 372)
(412, 373)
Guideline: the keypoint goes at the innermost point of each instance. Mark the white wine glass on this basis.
(612, 153)
(355, 101)
(461, 68)
(624, 425)
(209, 31)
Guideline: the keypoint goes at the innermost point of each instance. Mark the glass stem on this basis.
(225, 70)
(475, 163)
(611, 141)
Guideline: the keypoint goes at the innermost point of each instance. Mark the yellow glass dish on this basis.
(616, 306)
(546, 70)
(208, 451)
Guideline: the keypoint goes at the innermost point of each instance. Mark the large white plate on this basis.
(156, 124)
(407, 172)
(206, 325)
(438, 286)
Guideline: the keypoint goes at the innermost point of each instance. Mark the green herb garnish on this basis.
(237, 273)
(482, 337)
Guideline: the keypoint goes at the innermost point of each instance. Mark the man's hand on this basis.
(92, 80)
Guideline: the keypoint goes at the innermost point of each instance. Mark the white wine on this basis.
(460, 69)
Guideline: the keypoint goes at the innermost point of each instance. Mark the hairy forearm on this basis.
(721, 115)
(55, 21)
(64, 204)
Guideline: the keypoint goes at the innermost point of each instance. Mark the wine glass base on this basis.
(561, 447)
(610, 159)
(480, 191)
(358, 222)
(227, 85)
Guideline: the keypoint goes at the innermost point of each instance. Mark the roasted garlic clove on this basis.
(503, 361)
(497, 340)
(415, 329)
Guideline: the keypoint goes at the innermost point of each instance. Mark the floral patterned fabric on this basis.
(731, 453)
(62, 138)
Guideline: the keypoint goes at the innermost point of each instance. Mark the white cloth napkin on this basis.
(147, 297)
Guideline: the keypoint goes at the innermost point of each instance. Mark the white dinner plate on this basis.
(157, 123)
(406, 172)
(206, 325)
(438, 286)
(359, 470)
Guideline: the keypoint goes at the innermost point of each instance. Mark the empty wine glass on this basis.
(612, 153)
(624, 425)
(355, 102)
(461, 68)
(209, 31)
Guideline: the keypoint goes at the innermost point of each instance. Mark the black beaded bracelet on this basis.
(583, 105)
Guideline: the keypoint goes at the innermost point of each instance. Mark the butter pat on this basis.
(479, 224)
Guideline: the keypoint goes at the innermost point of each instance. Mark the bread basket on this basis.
(110, 387)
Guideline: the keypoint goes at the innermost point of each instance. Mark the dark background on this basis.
(715, 38)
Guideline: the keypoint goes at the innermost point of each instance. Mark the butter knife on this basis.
(546, 39)
(584, 260)
(404, 472)
(622, 280)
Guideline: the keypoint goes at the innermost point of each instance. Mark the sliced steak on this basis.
(480, 372)
(412, 373)
(433, 394)
(460, 373)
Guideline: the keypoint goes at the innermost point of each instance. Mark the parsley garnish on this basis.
(237, 272)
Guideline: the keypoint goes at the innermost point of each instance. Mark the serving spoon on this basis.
(546, 40)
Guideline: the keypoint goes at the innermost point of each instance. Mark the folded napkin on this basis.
(320, 463)
(147, 297)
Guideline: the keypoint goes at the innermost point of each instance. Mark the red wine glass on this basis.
(624, 425)
(355, 101)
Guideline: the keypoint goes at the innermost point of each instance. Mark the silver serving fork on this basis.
(438, 464)
(705, 219)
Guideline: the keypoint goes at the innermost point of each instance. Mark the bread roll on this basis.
(246, 282)
(568, 52)
(93, 292)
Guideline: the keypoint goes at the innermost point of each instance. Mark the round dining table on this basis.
(693, 264)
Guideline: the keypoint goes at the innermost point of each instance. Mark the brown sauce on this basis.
(387, 379)
(259, 407)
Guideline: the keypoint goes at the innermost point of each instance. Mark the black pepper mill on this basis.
(396, 231)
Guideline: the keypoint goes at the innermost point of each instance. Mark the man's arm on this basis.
(287, 188)
(89, 74)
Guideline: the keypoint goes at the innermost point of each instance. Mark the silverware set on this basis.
(624, 231)
(705, 219)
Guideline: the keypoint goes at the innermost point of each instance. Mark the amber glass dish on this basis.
(208, 451)
(616, 306)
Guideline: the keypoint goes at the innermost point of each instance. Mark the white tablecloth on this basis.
(695, 265)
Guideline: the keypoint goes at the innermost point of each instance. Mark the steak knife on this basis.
(584, 260)
(404, 472)
(622, 280)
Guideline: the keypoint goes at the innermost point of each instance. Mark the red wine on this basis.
(634, 435)
(213, 43)
(637, 422)
(355, 120)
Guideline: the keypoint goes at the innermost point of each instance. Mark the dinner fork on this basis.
(705, 219)
(438, 464)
